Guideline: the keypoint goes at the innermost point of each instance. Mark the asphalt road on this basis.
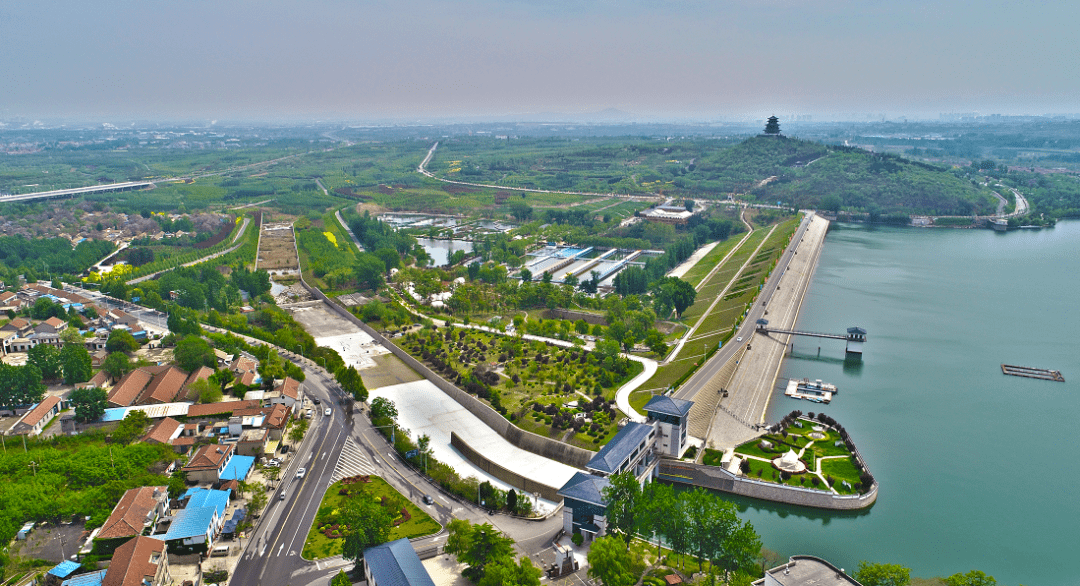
(272, 552)
(711, 368)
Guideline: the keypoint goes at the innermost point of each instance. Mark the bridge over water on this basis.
(855, 335)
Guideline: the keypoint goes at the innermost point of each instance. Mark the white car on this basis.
(300, 473)
(327, 412)
(739, 339)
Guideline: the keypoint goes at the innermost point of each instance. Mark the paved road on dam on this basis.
(779, 302)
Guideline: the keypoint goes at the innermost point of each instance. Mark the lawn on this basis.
(318, 545)
(838, 468)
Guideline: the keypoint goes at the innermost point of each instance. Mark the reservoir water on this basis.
(978, 470)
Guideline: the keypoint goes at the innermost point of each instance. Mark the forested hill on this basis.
(806, 174)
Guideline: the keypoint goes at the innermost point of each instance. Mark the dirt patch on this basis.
(389, 370)
(454, 188)
(277, 250)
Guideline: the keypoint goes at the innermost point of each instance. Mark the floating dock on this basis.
(814, 391)
(1029, 372)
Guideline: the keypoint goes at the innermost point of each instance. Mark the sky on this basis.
(405, 60)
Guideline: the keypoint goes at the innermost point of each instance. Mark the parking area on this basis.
(51, 542)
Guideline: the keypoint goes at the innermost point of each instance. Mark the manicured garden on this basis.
(325, 537)
(562, 393)
(840, 469)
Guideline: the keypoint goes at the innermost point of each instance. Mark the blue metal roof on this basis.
(668, 406)
(90, 579)
(585, 488)
(237, 467)
(114, 414)
(612, 455)
(65, 569)
(396, 564)
(206, 497)
(190, 522)
(195, 519)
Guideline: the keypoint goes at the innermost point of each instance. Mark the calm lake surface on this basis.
(977, 469)
(440, 250)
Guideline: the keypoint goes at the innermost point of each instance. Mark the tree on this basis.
(47, 359)
(623, 497)
(506, 571)
(116, 365)
(511, 500)
(526, 275)
(71, 336)
(368, 270)
(132, 427)
(383, 409)
(193, 352)
(870, 574)
(76, 364)
(522, 211)
(609, 561)
(477, 546)
(390, 258)
(223, 378)
(672, 293)
(772, 126)
(831, 203)
(20, 385)
(657, 502)
(352, 383)
(89, 403)
(655, 341)
(368, 524)
(299, 428)
(206, 391)
(972, 578)
(341, 579)
(121, 341)
(271, 368)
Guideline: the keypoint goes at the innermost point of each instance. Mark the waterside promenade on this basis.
(751, 386)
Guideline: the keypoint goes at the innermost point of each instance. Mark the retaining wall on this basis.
(717, 478)
(512, 478)
(526, 440)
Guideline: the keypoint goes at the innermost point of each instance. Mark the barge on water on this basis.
(1030, 372)
(814, 391)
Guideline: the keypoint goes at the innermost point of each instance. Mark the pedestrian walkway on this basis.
(351, 462)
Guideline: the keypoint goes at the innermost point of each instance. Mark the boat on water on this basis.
(814, 391)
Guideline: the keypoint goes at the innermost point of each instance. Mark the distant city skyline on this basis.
(419, 60)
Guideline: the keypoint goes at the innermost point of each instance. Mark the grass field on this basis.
(839, 468)
(318, 545)
(389, 370)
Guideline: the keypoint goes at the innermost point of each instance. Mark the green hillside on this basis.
(805, 174)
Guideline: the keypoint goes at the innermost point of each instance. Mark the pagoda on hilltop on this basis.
(772, 126)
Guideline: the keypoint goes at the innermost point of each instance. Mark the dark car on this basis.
(316, 400)
(428, 500)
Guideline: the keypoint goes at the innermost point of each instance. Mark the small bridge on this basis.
(855, 336)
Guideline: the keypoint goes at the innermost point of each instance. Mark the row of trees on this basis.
(872, 574)
(694, 522)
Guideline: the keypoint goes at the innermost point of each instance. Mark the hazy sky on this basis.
(708, 59)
